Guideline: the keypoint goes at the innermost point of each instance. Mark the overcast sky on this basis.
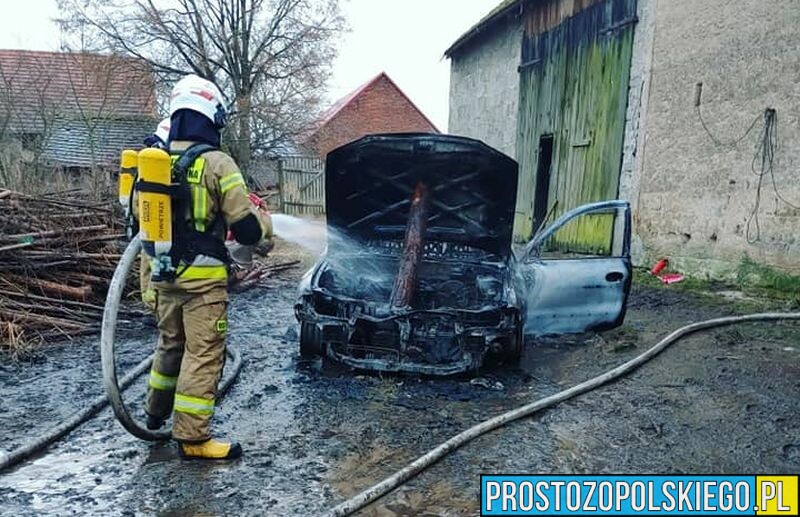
(405, 38)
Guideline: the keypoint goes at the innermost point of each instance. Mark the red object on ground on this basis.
(659, 267)
(672, 279)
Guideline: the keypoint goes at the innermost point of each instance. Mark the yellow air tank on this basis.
(155, 208)
(127, 177)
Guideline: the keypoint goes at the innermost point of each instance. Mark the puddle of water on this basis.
(38, 475)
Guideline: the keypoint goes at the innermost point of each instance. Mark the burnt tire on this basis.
(512, 353)
(310, 341)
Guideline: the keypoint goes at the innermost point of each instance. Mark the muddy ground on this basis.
(722, 402)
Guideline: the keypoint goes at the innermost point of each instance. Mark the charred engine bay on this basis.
(459, 309)
(314, 435)
(455, 283)
(405, 284)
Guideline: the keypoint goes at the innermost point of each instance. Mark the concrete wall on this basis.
(694, 198)
(484, 87)
(636, 116)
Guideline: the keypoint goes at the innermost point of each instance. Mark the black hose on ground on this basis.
(112, 385)
(98, 403)
(397, 479)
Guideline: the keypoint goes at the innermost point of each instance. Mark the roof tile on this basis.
(37, 86)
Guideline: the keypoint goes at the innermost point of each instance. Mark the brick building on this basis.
(378, 106)
(667, 104)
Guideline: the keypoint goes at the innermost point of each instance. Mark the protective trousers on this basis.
(189, 358)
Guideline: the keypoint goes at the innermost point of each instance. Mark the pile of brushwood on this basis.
(58, 253)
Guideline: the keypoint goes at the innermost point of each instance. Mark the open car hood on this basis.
(369, 184)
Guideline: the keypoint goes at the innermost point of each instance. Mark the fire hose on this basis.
(113, 385)
(403, 475)
(372, 494)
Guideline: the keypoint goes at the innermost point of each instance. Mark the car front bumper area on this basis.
(437, 343)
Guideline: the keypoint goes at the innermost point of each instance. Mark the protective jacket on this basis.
(218, 201)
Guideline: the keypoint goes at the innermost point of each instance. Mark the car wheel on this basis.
(514, 348)
(310, 341)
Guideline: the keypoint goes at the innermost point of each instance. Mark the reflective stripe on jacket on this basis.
(217, 189)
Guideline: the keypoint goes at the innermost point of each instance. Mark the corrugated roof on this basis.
(38, 86)
(76, 143)
(504, 8)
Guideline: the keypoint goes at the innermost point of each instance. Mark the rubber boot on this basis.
(210, 450)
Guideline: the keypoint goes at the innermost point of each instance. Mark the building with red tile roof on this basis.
(377, 106)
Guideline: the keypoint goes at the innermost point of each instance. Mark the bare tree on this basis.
(28, 119)
(271, 58)
(96, 95)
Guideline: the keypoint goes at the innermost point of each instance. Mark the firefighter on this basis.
(160, 137)
(191, 280)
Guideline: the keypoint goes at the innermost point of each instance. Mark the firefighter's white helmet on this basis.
(195, 93)
(162, 131)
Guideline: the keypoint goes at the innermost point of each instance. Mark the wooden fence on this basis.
(302, 185)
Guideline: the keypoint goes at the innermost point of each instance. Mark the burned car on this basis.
(419, 274)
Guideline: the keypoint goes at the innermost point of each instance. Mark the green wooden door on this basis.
(574, 89)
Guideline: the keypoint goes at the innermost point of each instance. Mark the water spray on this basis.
(310, 235)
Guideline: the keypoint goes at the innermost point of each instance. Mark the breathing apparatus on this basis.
(155, 208)
(168, 236)
(128, 174)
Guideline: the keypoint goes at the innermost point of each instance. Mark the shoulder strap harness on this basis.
(190, 236)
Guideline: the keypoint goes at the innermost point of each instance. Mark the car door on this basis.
(572, 292)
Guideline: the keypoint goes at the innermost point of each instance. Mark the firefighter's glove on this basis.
(150, 298)
(241, 255)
